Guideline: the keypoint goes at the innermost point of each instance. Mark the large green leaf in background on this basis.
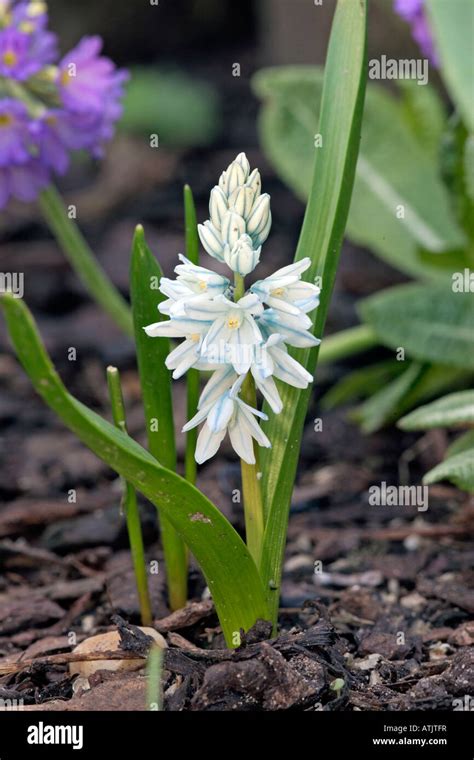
(392, 170)
(161, 102)
(452, 25)
(229, 569)
(321, 239)
(453, 410)
(430, 322)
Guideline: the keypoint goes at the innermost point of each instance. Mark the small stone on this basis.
(413, 601)
(108, 642)
(368, 663)
(439, 651)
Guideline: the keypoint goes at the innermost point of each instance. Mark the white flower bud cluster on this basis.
(236, 336)
(240, 218)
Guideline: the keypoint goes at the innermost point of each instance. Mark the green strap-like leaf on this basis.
(155, 382)
(224, 559)
(453, 410)
(321, 239)
(382, 406)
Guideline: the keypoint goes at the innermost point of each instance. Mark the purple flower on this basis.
(22, 181)
(59, 132)
(39, 127)
(22, 174)
(413, 11)
(22, 54)
(89, 83)
(87, 80)
(30, 16)
(15, 135)
(408, 9)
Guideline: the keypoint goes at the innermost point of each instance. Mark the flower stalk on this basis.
(252, 492)
(130, 505)
(251, 475)
(83, 260)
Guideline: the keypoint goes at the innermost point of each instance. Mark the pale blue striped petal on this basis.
(208, 444)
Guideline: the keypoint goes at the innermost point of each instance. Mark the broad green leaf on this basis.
(459, 469)
(321, 239)
(392, 172)
(383, 406)
(463, 443)
(453, 410)
(160, 102)
(229, 570)
(430, 322)
(155, 382)
(452, 24)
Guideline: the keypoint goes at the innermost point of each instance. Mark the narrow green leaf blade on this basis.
(321, 239)
(155, 378)
(155, 381)
(229, 570)
(453, 410)
(382, 407)
(430, 322)
(361, 383)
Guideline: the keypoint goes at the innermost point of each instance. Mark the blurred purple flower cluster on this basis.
(49, 106)
(413, 11)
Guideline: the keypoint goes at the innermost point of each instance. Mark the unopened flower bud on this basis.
(242, 160)
(255, 182)
(217, 206)
(232, 178)
(211, 240)
(242, 258)
(241, 201)
(233, 226)
(262, 236)
(260, 218)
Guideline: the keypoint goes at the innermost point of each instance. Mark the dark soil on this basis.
(377, 602)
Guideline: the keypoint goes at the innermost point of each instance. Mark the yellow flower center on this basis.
(65, 78)
(5, 120)
(233, 323)
(9, 58)
(202, 285)
(278, 292)
(195, 337)
(36, 8)
(27, 27)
